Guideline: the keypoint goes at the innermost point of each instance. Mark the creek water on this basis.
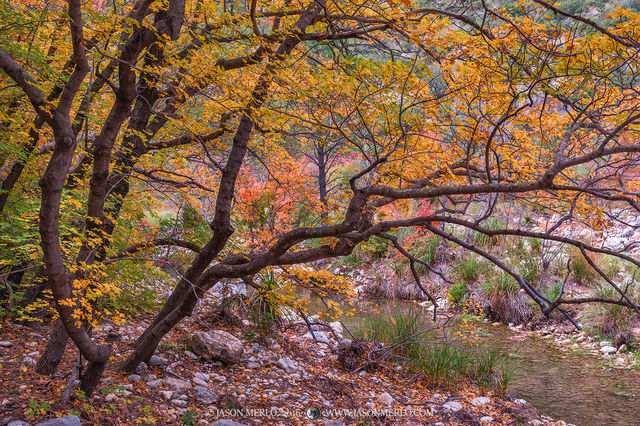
(576, 387)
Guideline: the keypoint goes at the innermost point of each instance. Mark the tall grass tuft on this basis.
(608, 320)
(581, 271)
(504, 302)
(485, 240)
(414, 342)
(469, 269)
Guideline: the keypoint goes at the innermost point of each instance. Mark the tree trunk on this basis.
(53, 353)
(91, 377)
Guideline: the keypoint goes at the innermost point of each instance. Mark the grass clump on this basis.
(608, 320)
(469, 269)
(458, 292)
(582, 272)
(425, 249)
(413, 341)
(484, 240)
(504, 302)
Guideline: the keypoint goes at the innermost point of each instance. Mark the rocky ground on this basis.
(276, 381)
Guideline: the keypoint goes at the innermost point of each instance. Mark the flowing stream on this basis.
(575, 387)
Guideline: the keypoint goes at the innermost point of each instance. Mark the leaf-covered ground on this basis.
(165, 394)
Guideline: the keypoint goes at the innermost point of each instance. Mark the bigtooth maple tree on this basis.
(465, 106)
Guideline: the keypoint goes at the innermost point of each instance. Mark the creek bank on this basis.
(283, 378)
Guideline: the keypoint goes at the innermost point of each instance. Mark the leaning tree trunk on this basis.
(186, 296)
(53, 353)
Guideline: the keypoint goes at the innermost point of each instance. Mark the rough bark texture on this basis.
(50, 359)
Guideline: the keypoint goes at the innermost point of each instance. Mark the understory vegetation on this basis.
(412, 340)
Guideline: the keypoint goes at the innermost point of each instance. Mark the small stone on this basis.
(110, 397)
(481, 400)
(452, 406)
(62, 421)
(320, 337)
(362, 373)
(134, 377)
(486, 419)
(287, 365)
(204, 395)
(6, 344)
(142, 368)
(166, 394)
(370, 405)
(202, 376)
(18, 423)
(332, 422)
(154, 383)
(177, 384)
(198, 381)
(157, 361)
(253, 365)
(385, 399)
(605, 343)
(608, 350)
(5, 402)
(226, 422)
(179, 403)
(28, 362)
(217, 345)
(191, 355)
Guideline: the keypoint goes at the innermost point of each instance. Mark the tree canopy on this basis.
(292, 131)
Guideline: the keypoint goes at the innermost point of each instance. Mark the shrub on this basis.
(458, 292)
(606, 319)
(531, 267)
(504, 302)
(485, 240)
(536, 245)
(582, 272)
(425, 249)
(469, 269)
(375, 248)
(552, 292)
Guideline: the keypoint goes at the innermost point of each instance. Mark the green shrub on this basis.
(536, 245)
(469, 269)
(458, 292)
(552, 292)
(485, 240)
(425, 249)
(375, 248)
(531, 268)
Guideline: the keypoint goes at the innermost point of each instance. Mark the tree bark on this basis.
(53, 353)
(184, 297)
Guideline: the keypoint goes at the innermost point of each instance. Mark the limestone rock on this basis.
(386, 399)
(481, 400)
(453, 406)
(217, 345)
(157, 360)
(204, 395)
(226, 422)
(608, 350)
(177, 384)
(287, 365)
(62, 421)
